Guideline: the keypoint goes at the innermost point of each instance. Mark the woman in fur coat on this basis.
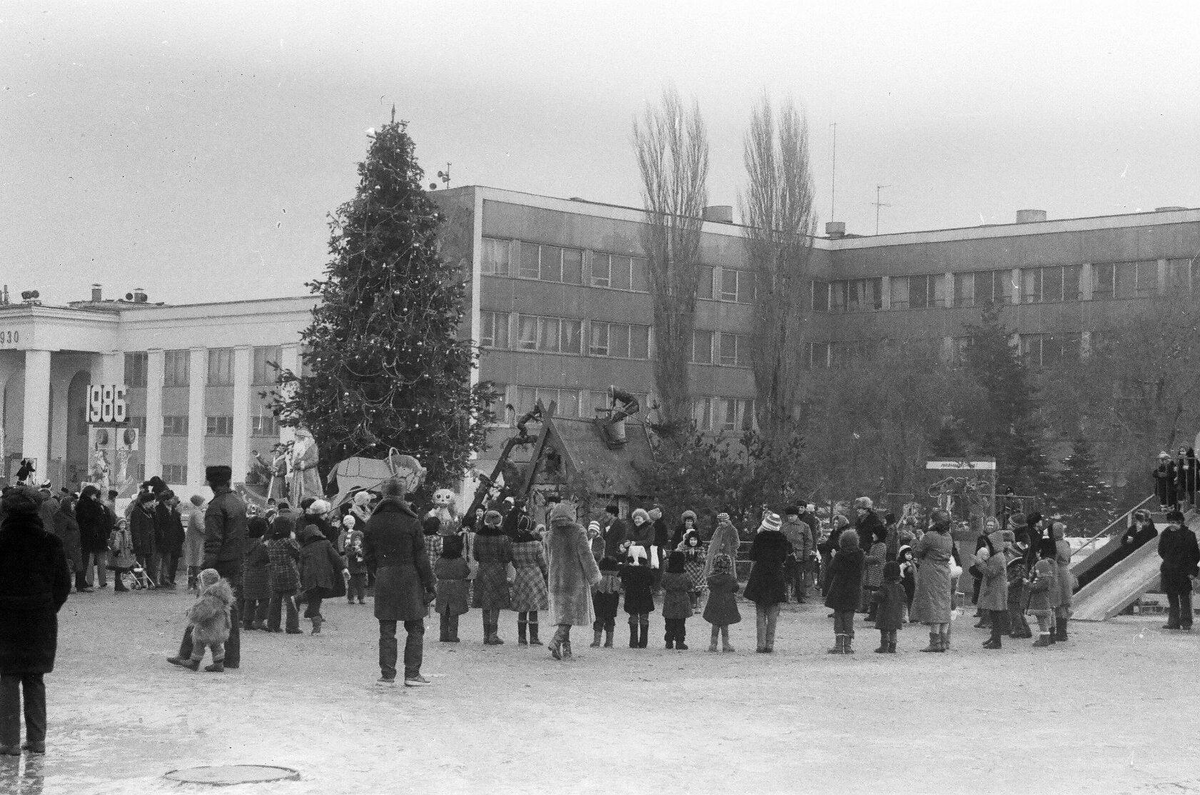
(572, 571)
(934, 552)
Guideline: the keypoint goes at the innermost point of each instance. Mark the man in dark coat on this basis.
(867, 523)
(394, 546)
(95, 526)
(615, 533)
(168, 537)
(1180, 559)
(141, 532)
(34, 583)
(225, 527)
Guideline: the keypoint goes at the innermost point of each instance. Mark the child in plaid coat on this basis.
(451, 571)
(605, 596)
(529, 593)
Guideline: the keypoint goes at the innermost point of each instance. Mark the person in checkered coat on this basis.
(430, 528)
(529, 594)
(493, 551)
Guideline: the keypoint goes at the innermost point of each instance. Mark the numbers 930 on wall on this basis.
(106, 403)
(9, 337)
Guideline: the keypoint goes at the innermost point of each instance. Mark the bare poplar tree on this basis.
(777, 210)
(671, 144)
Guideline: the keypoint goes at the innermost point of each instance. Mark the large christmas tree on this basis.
(385, 362)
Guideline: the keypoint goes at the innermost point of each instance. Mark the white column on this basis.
(197, 378)
(240, 447)
(36, 425)
(155, 374)
(289, 359)
(1163, 278)
(60, 385)
(1016, 285)
(885, 293)
(1086, 281)
(949, 290)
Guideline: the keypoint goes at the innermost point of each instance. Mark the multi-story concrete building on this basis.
(560, 302)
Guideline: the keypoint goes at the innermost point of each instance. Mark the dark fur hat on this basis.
(609, 564)
(217, 475)
(675, 563)
(452, 547)
(891, 571)
(430, 525)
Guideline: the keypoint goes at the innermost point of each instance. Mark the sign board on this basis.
(113, 458)
(106, 403)
(964, 489)
(987, 465)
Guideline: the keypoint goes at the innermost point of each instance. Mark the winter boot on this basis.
(217, 667)
(556, 644)
(521, 634)
(891, 647)
(762, 634)
(595, 638)
(317, 621)
(839, 645)
(883, 644)
(935, 642)
(444, 628)
(679, 640)
(633, 634)
(1054, 634)
(945, 642)
(643, 632)
(566, 651)
(191, 665)
(849, 648)
(608, 633)
(487, 633)
(725, 640)
(496, 641)
(533, 630)
(1061, 627)
(1043, 640)
(670, 639)
(712, 646)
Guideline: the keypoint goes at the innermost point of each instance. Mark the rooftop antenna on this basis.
(833, 178)
(878, 204)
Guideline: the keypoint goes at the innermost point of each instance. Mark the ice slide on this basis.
(1118, 587)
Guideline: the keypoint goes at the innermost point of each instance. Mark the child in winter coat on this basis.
(908, 577)
(356, 565)
(889, 602)
(210, 622)
(637, 581)
(529, 593)
(452, 572)
(120, 543)
(284, 555)
(605, 596)
(1018, 626)
(845, 589)
(694, 560)
(1042, 587)
(677, 605)
(721, 609)
(993, 590)
(321, 569)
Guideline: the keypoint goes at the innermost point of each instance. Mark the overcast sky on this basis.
(195, 149)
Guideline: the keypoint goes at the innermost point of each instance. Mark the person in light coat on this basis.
(572, 571)
(193, 541)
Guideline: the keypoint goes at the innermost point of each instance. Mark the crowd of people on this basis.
(252, 570)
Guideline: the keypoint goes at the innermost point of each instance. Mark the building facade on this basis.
(560, 303)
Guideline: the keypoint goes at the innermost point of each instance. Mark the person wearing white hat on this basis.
(767, 586)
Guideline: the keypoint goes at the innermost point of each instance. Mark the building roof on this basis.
(607, 470)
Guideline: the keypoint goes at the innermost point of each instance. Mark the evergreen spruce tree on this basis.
(385, 362)
(1085, 500)
(1005, 424)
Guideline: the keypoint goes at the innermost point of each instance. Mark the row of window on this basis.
(215, 425)
(177, 367)
(1038, 350)
(616, 340)
(1050, 284)
(719, 414)
(600, 269)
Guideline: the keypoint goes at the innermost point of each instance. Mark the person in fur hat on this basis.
(451, 572)
(677, 607)
(845, 591)
(493, 552)
(1018, 626)
(572, 572)
(322, 573)
(721, 610)
(641, 532)
(637, 581)
(1042, 587)
(993, 591)
(606, 595)
(209, 619)
(694, 560)
(1177, 574)
(529, 592)
(724, 541)
(767, 586)
(890, 604)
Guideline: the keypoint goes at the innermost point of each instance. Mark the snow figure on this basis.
(101, 472)
(446, 512)
(305, 480)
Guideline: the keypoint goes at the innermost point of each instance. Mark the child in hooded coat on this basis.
(908, 576)
(637, 581)
(890, 603)
(209, 619)
(845, 589)
(452, 575)
(721, 609)
(677, 605)
(694, 561)
(605, 597)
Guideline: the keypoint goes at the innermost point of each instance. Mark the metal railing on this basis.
(1122, 518)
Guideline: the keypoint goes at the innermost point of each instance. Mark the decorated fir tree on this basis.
(386, 364)
(1083, 498)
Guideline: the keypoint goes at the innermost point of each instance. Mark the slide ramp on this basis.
(1118, 588)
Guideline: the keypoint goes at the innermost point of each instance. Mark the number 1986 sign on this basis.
(106, 403)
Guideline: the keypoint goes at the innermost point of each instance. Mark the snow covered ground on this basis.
(1112, 711)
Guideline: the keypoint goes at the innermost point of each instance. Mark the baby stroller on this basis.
(136, 579)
